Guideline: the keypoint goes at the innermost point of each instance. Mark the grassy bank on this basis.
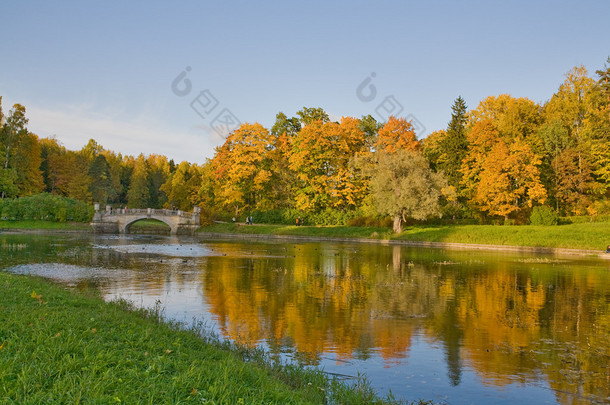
(57, 346)
(31, 224)
(594, 236)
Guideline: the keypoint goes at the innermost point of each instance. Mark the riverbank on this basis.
(69, 347)
(590, 238)
(50, 225)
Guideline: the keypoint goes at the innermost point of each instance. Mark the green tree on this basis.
(310, 115)
(604, 80)
(285, 125)
(370, 127)
(101, 188)
(403, 186)
(20, 152)
(454, 144)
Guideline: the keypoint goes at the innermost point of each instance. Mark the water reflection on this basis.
(524, 327)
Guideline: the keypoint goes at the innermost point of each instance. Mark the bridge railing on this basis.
(147, 211)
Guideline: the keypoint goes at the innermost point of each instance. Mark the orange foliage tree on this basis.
(397, 134)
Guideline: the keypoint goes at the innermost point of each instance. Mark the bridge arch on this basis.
(125, 225)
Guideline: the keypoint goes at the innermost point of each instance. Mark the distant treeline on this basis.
(495, 162)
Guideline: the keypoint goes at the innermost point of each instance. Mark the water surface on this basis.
(452, 326)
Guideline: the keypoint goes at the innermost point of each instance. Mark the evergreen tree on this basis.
(604, 80)
(454, 144)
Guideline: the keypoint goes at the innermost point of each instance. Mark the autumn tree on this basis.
(48, 148)
(320, 158)
(432, 149)
(74, 177)
(576, 108)
(138, 194)
(396, 134)
(182, 187)
(157, 174)
(501, 178)
(242, 169)
(283, 132)
(514, 118)
(120, 174)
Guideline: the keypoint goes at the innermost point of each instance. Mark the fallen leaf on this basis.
(168, 351)
(2, 345)
(93, 330)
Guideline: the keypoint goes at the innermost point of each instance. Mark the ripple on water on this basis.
(68, 273)
(182, 250)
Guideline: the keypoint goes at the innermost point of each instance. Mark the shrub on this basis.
(544, 215)
(384, 222)
(45, 207)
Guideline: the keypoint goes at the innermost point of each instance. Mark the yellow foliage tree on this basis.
(501, 178)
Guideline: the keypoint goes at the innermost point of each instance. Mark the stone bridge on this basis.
(118, 220)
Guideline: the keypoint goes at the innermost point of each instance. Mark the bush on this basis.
(45, 207)
(544, 215)
(290, 215)
(385, 222)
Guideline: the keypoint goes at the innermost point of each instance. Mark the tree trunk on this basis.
(397, 223)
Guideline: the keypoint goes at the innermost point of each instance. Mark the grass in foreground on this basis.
(594, 236)
(80, 226)
(58, 346)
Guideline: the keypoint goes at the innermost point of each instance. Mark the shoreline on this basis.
(423, 244)
(85, 337)
(589, 253)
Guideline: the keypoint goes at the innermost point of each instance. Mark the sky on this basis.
(174, 78)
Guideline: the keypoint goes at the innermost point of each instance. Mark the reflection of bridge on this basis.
(119, 220)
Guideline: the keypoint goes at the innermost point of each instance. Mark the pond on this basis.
(451, 326)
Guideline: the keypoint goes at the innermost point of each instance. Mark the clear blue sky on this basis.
(104, 70)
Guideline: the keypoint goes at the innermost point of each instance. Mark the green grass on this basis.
(44, 225)
(594, 236)
(58, 346)
(314, 231)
